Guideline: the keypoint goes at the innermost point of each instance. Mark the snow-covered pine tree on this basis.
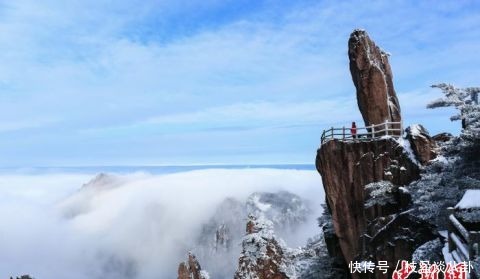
(466, 101)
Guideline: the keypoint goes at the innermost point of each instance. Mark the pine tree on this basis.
(466, 101)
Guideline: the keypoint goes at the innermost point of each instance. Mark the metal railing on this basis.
(462, 243)
(376, 131)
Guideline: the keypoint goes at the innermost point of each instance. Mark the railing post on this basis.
(373, 131)
(331, 132)
(473, 245)
(450, 228)
(343, 132)
(386, 127)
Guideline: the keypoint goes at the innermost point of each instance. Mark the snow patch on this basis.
(408, 150)
(416, 130)
(204, 275)
(471, 199)
(380, 193)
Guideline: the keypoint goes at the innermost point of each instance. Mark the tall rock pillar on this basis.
(366, 180)
(372, 76)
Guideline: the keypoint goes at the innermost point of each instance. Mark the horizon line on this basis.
(165, 165)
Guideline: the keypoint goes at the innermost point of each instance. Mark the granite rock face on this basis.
(190, 269)
(218, 243)
(422, 144)
(263, 256)
(365, 180)
(442, 137)
(372, 76)
(346, 168)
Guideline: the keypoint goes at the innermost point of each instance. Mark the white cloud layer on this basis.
(138, 226)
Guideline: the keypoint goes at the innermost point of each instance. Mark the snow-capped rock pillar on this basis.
(263, 257)
(372, 76)
(191, 269)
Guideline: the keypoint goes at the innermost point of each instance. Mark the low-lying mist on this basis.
(130, 226)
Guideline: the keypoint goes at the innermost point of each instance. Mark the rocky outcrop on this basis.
(191, 269)
(103, 181)
(263, 257)
(217, 244)
(372, 76)
(286, 210)
(395, 237)
(365, 180)
(442, 137)
(222, 228)
(81, 202)
(363, 183)
(422, 144)
(392, 233)
(346, 168)
(266, 256)
(222, 238)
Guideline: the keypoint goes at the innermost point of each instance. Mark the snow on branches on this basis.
(466, 101)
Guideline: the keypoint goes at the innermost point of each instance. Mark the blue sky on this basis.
(196, 82)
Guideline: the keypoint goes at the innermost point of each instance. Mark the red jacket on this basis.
(353, 130)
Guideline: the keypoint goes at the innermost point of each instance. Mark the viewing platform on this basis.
(373, 132)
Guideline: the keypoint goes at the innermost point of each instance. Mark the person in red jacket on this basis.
(353, 130)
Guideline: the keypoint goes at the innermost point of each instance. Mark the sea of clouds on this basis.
(127, 226)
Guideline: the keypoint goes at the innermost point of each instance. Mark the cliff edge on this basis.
(365, 179)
